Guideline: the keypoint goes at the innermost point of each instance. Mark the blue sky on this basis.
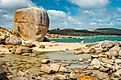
(78, 14)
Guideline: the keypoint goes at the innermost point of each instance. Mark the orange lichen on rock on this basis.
(85, 77)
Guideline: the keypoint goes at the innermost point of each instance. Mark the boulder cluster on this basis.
(105, 63)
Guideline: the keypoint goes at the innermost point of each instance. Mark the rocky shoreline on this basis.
(21, 58)
(20, 61)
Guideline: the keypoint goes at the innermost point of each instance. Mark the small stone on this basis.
(46, 68)
(98, 50)
(29, 45)
(80, 59)
(95, 63)
(72, 75)
(42, 46)
(55, 67)
(118, 61)
(116, 67)
(36, 52)
(103, 69)
(45, 61)
(90, 67)
(94, 56)
(59, 77)
(90, 50)
(107, 45)
(109, 61)
(112, 54)
(108, 65)
(102, 76)
(117, 73)
(102, 56)
(62, 69)
(22, 50)
(26, 54)
(78, 52)
(33, 55)
(89, 60)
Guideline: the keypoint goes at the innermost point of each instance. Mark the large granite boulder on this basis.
(31, 23)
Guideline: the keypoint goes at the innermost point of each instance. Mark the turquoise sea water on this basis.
(88, 39)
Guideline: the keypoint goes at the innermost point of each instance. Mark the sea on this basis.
(87, 39)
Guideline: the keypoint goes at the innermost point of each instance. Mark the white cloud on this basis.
(56, 13)
(62, 20)
(90, 3)
(14, 4)
(7, 16)
(7, 10)
(86, 19)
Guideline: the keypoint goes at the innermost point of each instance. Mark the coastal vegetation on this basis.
(95, 32)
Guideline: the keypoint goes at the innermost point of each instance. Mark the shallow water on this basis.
(63, 57)
(68, 55)
(89, 39)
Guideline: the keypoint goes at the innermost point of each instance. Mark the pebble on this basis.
(46, 68)
(95, 63)
(42, 46)
(80, 59)
(94, 56)
(118, 61)
(45, 61)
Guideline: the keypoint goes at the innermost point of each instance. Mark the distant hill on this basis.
(95, 32)
(108, 31)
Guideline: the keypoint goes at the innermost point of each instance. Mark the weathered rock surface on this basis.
(4, 50)
(42, 46)
(21, 50)
(29, 45)
(31, 23)
(13, 40)
(95, 63)
(46, 68)
(3, 70)
(4, 33)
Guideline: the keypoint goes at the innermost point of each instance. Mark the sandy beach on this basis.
(50, 46)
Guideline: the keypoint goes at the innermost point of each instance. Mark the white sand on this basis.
(49, 46)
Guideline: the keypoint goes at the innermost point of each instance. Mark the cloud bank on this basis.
(14, 4)
(90, 14)
(90, 3)
(60, 19)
